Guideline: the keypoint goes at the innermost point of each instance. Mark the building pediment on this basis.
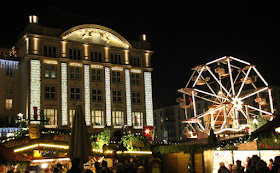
(96, 34)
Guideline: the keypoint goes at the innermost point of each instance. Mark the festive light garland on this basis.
(42, 145)
(108, 95)
(35, 87)
(87, 94)
(148, 98)
(64, 104)
(128, 97)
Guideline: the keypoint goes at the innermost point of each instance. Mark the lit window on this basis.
(51, 117)
(117, 118)
(117, 96)
(50, 71)
(9, 104)
(97, 118)
(137, 119)
(71, 116)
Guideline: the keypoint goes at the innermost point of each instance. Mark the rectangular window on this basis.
(9, 70)
(116, 76)
(96, 56)
(117, 118)
(116, 59)
(71, 116)
(75, 73)
(97, 95)
(135, 79)
(50, 92)
(117, 96)
(135, 61)
(137, 119)
(97, 118)
(136, 97)
(50, 71)
(96, 75)
(75, 54)
(50, 51)
(9, 104)
(75, 93)
(51, 117)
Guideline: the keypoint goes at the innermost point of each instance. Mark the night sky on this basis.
(182, 34)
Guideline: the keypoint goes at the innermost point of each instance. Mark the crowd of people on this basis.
(252, 165)
(132, 167)
(103, 168)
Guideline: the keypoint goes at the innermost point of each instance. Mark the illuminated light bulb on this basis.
(237, 103)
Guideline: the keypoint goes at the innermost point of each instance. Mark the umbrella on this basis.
(79, 144)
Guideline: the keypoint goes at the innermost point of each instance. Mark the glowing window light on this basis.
(96, 66)
(108, 95)
(128, 97)
(48, 61)
(148, 98)
(75, 64)
(35, 88)
(64, 105)
(87, 94)
(136, 71)
(117, 68)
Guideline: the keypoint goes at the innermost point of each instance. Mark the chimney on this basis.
(33, 19)
(143, 37)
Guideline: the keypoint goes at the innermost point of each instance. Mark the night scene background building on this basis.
(53, 69)
(181, 34)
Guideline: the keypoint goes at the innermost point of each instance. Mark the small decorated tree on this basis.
(212, 139)
(101, 139)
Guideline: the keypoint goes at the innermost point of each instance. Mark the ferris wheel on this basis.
(233, 91)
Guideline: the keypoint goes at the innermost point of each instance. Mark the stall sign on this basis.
(34, 131)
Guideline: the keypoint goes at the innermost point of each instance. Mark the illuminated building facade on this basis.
(89, 63)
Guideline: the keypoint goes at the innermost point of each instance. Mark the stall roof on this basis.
(7, 155)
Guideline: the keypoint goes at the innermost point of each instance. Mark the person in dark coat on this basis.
(251, 168)
(75, 166)
(238, 168)
(223, 169)
(276, 165)
(261, 167)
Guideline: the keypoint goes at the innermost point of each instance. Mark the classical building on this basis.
(92, 64)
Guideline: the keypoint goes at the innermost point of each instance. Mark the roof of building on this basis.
(7, 155)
